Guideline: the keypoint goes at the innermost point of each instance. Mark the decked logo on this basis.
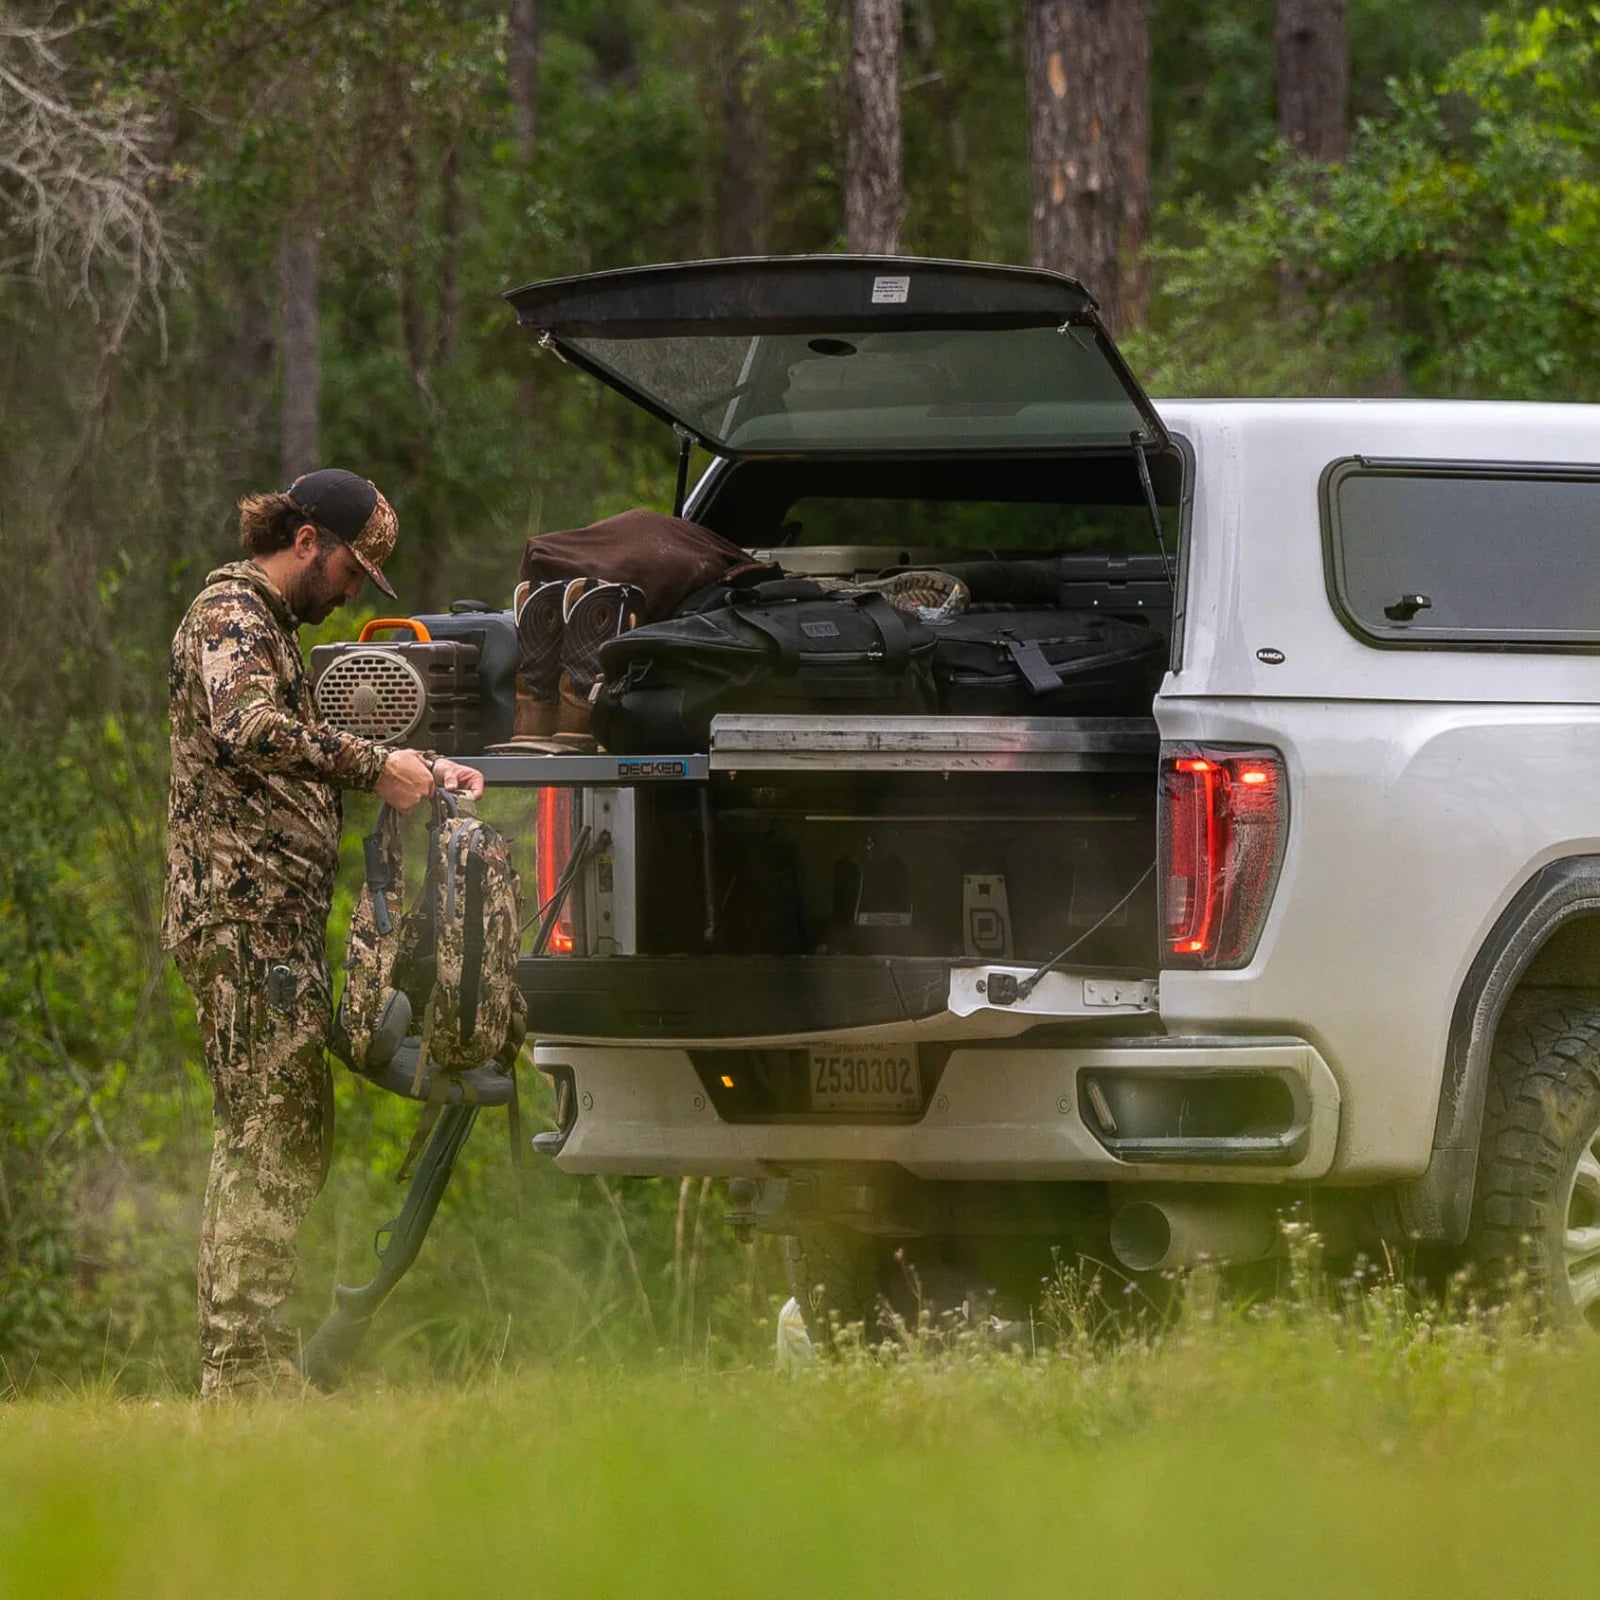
(652, 769)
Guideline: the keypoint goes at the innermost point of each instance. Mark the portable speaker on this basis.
(421, 692)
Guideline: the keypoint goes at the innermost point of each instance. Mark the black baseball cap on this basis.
(350, 507)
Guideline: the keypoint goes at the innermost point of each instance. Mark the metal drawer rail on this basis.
(933, 744)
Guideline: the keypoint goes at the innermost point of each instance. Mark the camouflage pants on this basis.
(263, 997)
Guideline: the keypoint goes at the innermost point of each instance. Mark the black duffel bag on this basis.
(1046, 664)
(782, 647)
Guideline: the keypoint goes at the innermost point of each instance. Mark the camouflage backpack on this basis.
(458, 946)
(451, 961)
(374, 1017)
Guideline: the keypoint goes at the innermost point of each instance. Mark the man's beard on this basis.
(313, 597)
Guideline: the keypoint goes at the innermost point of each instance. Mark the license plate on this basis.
(865, 1077)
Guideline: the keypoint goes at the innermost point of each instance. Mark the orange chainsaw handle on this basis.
(420, 629)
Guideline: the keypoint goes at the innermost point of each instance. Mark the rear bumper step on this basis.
(1268, 1111)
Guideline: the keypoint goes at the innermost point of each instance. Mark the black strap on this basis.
(771, 591)
(751, 589)
(1037, 671)
(378, 883)
(786, 639)
(892, 630)
(472, 936)
(436, 877)
(437, 1092)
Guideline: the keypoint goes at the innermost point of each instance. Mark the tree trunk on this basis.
(1133, 283)
(302, 353)
(414, 291)
(872, 151)
(522, 70)
(959, 197)
(246, 367)
(408, 276)
(1314, 78)
(1089, 128)
(445, 336)
(741, 153)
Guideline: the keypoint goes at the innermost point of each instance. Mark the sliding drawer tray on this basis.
(933, 744)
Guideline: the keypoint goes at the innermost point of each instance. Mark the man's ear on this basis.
(305, 541)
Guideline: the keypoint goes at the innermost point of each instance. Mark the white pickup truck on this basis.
(1323, 925)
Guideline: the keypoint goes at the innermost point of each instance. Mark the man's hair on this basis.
(267, 523)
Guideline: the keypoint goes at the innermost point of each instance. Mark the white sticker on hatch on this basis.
(890, 291)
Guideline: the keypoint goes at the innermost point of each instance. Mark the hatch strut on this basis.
(1152, 507)
(685, 445)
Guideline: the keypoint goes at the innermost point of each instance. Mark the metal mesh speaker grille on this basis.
(375, 693)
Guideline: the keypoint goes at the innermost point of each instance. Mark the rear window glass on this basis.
(976, 525)
(1435, 553)
(951, 389)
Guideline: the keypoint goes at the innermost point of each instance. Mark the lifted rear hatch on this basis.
(830, 355)
(822, 881)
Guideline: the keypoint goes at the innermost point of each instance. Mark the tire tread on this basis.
(1543, 1094)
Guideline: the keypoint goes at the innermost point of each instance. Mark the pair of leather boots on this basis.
(561, 626)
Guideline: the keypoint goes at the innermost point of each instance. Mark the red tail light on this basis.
(552, 852)
(1224, 814)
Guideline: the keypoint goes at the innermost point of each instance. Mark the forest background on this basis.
(240, 239)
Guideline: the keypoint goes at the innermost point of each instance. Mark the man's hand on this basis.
(462, 780)
(405, 779)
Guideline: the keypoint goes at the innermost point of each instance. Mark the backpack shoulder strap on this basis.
(378, 847)
(472, 929)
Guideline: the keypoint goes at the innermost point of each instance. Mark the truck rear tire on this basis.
(1536, 1209)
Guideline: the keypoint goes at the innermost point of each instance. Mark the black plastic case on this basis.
(467, 669)
(494, 634)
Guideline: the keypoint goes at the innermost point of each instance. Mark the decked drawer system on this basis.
(846, 873)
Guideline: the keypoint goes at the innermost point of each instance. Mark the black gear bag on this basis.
(1046, 664)
(783, 647)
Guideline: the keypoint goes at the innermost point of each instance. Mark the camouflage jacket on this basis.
(254, 815)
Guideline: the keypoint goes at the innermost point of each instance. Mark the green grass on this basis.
(1360, 1450)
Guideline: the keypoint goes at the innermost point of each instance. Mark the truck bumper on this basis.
(1249, 1110)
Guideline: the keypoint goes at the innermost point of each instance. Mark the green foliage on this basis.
(86, 1014)
(1453, 254)
(1214, 112)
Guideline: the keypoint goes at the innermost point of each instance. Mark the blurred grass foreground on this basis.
(1344, 1442)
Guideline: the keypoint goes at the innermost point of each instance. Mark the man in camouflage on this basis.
(252, 847)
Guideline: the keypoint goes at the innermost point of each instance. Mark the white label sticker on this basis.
(890, 291)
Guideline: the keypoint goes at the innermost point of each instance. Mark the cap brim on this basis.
(373, 572)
